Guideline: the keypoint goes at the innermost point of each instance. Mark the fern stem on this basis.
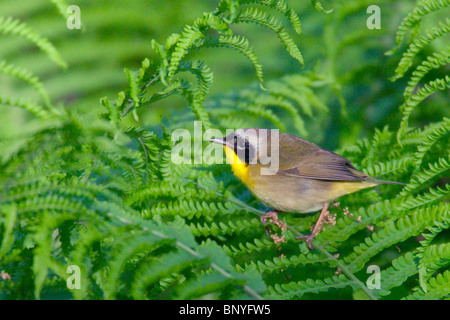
(186, 248)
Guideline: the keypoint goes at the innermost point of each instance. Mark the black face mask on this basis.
(243, 149)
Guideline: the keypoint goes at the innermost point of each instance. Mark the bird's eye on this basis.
(242, 148)
(242, 144)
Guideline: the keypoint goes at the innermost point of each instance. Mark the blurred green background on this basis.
(346, 60)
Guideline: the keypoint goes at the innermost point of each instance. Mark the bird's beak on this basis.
(218, 140)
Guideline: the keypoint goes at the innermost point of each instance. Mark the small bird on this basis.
(308, 178)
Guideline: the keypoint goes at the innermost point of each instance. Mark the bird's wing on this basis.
(306, 160)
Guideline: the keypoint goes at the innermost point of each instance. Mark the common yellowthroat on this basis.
(307, 179)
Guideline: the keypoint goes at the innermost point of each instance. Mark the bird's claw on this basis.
(272, 217)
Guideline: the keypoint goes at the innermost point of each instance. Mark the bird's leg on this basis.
(272, 216)
(269, 215)
(317, 227)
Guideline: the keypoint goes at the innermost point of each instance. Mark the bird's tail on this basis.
(387, 182)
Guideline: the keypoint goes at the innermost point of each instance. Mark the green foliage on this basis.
(102, 192)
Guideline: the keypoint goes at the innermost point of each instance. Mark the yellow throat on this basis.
(240, 169)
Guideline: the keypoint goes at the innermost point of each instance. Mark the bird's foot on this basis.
(323, 217)
(272, 217)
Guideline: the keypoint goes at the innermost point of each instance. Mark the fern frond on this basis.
(205, 284)
(394, 232)
(425, 244)
(27, 76)
(242, 45)
(414, 18)
(402, 268)
(409, 203)
(9, 25)
(298, 289)
(438, 288)
(188, 38)
(283, 263)
(259, 17)
(203, 74)
(28, 105)
(433, 258)
(431, 137)
(256, 245)
(44, 262)
(409, 105)
(422, 177)
(229, 228)
(417, 45)
(437, 60)
(9, 221)
(318, 6)
(282, 7)
(389, 167)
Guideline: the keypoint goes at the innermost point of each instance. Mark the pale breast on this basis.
(294, 194)
(287, 194)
